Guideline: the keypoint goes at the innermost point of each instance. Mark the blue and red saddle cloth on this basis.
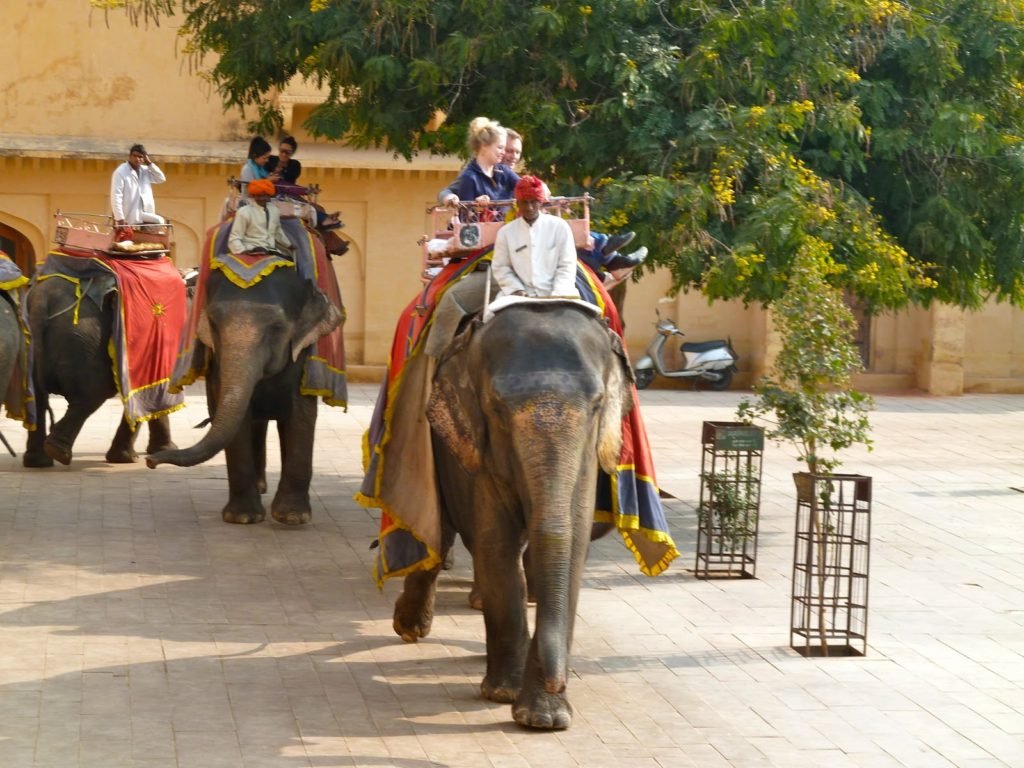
(409, 532)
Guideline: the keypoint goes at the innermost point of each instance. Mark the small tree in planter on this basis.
(808, 400)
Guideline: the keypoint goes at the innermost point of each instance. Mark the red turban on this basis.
(531, 188)
(261, 187)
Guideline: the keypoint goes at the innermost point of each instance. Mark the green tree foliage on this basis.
(727, 133)
(809, 400)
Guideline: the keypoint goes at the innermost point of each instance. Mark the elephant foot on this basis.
(57, 451)
(291, 509)
(540, 709)
(411, 621)
(414, 608)
(156, 447)
(476, 599)
(243, 514)
(35, 460)
(291, 517)
(501, 690)
(121, 456)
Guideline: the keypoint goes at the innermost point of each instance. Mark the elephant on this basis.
(70, 340)
(10, 343)
(257, 339)
(524, 409)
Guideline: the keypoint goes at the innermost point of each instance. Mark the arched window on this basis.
(18, 247)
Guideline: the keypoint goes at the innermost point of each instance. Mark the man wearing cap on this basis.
(535, 255)
(131, 189)
(257, 226)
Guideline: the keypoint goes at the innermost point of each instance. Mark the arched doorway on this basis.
(18, 247)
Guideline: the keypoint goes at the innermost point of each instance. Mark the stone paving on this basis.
(137, 629)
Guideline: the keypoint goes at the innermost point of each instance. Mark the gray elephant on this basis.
(71, 327)
(257, 340)
(11, 346)
(524, 410)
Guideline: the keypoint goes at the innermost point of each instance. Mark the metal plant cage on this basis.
(831, 556)
(730, 500)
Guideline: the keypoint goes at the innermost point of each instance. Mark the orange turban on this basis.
(531, 188)
(261, 187)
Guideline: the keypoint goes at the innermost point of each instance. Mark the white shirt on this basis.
(131, 193)
(539, 259)
(257, 226)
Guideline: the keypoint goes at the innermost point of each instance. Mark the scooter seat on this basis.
(702, 346)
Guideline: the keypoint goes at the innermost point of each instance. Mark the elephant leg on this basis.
(414, 608)
(476, 600)
(244, 504)
(35, 456)
(259, 453)
(498, 571)
(160, 435)
(122, 448)
(59, 443)
(291, 502)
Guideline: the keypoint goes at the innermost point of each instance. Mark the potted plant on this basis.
(808, 400)
(730, 498)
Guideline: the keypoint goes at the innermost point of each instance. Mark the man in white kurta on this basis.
(258, 224)
(131, 189)
(535, 255)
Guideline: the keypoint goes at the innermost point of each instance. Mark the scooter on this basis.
(711, 361)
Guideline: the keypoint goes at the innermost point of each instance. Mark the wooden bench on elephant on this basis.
(292, 201)
(93, 234)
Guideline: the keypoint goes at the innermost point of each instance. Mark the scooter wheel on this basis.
(722, 384)
(644, 377)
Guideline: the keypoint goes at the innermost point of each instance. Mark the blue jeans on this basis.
(594, 258)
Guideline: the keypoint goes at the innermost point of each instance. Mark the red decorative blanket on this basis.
(148, 322)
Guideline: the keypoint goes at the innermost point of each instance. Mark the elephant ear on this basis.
(619, 394)
(317, 318)
(203, 330)
(454, 413)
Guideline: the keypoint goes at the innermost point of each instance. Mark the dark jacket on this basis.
(290, 172)
(473, 182)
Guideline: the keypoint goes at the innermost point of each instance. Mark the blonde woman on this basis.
(485, 177)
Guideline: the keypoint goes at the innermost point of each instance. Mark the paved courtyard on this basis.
(137, 629)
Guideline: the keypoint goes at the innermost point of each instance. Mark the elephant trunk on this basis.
(559, 516)
(237, 382)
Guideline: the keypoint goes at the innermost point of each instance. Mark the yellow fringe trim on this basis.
(241, 282)
(656, 536)
(10, 285)
(326, 394)
(155, 415)
(629, 526)
(432, 559)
